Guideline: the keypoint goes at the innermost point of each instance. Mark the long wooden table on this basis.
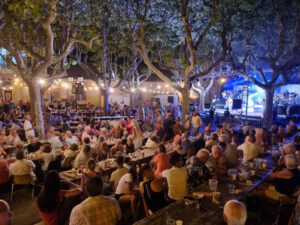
(74, 177)
(209, 212)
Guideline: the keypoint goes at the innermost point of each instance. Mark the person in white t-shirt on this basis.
(124, 193)
(22, 166)
(196, 123)
(176, 178)
(70, 138)
(86, 133)
(29, 131)
(117, 174)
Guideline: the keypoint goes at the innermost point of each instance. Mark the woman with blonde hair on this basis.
(116, 131)
(137, 134)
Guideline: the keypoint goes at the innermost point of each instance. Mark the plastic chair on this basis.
(21, 180)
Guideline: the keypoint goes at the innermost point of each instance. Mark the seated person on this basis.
(196, 168)
(96, 209)
(71, 152)
(33, 145)
(129, 146)
(13, 138)
(117, 130)
(176, 178)
(287, 149)
(152, 189)
(217, 161)
(3, 137)
(187, 147)
(161, 161)
(70, 138)
(235, 213)
(51, 198)
(212, 141)
(118, 173)
(199, 142)
(82, 157)
(124, 193)
(250, 149)
(89, 171)
(48, 156)
(22, 166)
(286, 180)
(177, 137)
(152, 142)
(5, 213)
(103, 151)
(118, 147)
(57, 142)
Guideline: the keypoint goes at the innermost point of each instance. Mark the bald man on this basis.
(5, 213)
(235, 213)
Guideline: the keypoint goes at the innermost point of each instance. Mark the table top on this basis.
(209, 213)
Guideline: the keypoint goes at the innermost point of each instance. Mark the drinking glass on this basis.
(213, 184)
(231, 188)
(232, 173)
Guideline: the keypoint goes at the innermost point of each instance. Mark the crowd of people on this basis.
(186, 154)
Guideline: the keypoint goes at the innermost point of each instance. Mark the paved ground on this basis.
(23, 207)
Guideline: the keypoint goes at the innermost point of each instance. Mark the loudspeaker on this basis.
(237, 103)
(292, 110)
(171, 99)
(77, 88)
(281, 110)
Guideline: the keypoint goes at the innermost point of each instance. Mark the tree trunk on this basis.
(201, 102)
(268, 112)
(185, 101)
(131, 99)
(106, 101)
(36, 103)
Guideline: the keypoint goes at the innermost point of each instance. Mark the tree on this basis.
(168, 35)
(40, 55)
(265, 48)
(133, 78)
(201, 90)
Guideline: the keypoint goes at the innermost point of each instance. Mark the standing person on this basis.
(137, 135)
(168, 127)
(97, 209)
(196, 123)
(5, 213)
(29, 131)
(176, 178)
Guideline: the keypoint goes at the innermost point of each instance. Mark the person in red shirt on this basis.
(128, 124)
(161, 161)
(51, 197)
